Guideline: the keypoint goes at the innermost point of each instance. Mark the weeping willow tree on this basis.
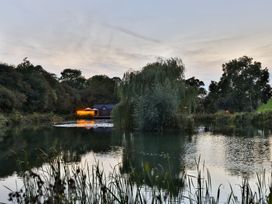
(152, 98)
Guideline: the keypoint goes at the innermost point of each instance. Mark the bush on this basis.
(262, 119)
(243, 119)
(3, 121)
(222, 120)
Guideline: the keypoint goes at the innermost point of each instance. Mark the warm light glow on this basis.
(85, 122)
(87, 112)
(88, 124)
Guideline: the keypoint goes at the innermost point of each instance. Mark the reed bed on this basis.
(60, 182)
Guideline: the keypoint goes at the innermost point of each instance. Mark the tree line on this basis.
(158, 96)
(30, 88)
(153, 96)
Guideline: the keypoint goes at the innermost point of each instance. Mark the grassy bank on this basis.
(17, 118)
(222, 119)
(265, 107)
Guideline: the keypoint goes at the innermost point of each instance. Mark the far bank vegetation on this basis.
(156, 98)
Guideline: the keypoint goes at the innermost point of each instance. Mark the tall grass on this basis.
(59, 182)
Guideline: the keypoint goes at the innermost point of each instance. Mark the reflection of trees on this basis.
(154, 159)
(26, 145)
(148, 158)
(161, 154)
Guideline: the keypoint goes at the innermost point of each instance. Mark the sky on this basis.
(113, 36)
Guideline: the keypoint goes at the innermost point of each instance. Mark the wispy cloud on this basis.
(131, 33)
(102, 39)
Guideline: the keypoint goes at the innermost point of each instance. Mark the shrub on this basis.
(3, 121)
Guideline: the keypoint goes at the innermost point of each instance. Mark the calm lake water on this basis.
(229, 154)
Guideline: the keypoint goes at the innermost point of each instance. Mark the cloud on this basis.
(102, 40)
(131, 33)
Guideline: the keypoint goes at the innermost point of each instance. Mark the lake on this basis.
(229, 154)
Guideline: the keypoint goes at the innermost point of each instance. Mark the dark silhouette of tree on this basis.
(242, 87)
(73, 78)
(100, 89)
(197, 84)
(150, 99)
(30, 88)
(195, 93)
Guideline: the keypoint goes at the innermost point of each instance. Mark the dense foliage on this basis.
(155, 98)
(195, 95)
(243, 87)
(152, 98)
(29, 88)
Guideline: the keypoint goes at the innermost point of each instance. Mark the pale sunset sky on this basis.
(112, 36)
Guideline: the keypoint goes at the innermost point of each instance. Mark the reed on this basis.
(60, 182)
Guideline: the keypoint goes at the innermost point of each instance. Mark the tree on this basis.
(197, 84)
(38, 86)
(157, 110)
(73, 78)
(10, 100)
(242, 87)
(100, 89)
(151, 99)
(195, 93)
(211, 98)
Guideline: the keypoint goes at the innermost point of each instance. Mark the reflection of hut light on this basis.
(88, 124)
(85, 122)
(87, 112)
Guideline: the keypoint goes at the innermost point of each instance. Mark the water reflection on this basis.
(247, 131)
(85, 123)
(88, 124)
(21, 144)
(158, 159)
(247, 155)
(155, 159)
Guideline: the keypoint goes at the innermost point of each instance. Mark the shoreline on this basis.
(17, 118)
(242, 119)
(219, 119)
